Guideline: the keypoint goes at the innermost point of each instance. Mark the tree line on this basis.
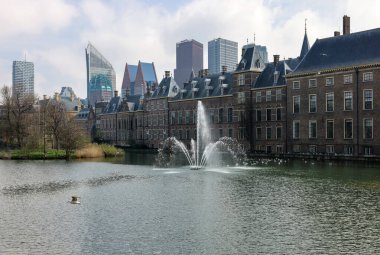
(29, 123)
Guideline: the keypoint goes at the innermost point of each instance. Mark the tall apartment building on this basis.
(101, 77)
(222, 52)
(189, 60)
(22, 78)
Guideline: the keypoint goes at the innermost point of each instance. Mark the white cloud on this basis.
(56, 32)
(24, 17)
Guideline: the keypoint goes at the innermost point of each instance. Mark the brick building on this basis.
(320, 103)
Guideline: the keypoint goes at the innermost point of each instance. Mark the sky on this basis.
(54, 33)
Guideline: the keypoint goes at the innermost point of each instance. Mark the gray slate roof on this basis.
(267, 77)
(208, 86)
(305, 46)
(254, 58)
(167, 88)
(343, 51)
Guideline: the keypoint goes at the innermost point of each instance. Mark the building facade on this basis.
(222, 52)
(322, 103)
(189, 60)
(22, 78)
(101, 77)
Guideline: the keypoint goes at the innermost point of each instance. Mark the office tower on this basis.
(139, 79)
(222, 52)
(189, 59)
(22, 78)
(101, 77)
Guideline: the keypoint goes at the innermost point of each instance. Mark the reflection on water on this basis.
(294, 207)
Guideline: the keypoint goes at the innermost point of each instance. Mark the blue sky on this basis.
(54, 33)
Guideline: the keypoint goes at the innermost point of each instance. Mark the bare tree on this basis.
(17, 108)
(55, 117)
(73, 136)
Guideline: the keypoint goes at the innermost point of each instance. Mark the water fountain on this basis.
(202, 149)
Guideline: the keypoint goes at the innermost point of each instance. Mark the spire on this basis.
(305, 45)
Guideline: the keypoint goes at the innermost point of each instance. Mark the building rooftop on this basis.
(344, 51)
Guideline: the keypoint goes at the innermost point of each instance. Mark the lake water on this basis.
(130, 207)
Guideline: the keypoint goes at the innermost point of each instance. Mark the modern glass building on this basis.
(101, 77)
(189, 59)
(22, 78)
(222, 52)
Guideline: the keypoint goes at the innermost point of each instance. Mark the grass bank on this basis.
(89, 151)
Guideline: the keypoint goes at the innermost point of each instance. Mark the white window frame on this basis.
(367, 76)
(344, 100)
(258, 96)
(266, 133)
(333, 101)
(311, 81)
(365, 98)
(268, 95)
(347, 79)
(296, 85)
(257, 133)
(299, 98)
(344, 129)
(330, 149)
(316, 105)
(364, 126)
(278, 94)
(330, 79)
(279, 127)
(299, 129)
(333, 125)
(316, 129)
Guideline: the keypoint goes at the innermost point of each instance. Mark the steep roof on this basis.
(254, 58)
(305, 46)
(343, 51)
(208, 86)
(274, 75)
(167, 88)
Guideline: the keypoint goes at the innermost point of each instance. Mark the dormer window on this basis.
(258, 63)
(275, 77)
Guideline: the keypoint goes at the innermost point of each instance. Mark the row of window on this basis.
(329, 81)
(268, 95)
(190, 118)
(330, 149)
(269, 114)
(268, 133)
(348, 129)
(348, 101)
(191, 134)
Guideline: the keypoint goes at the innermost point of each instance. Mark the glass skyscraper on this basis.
(101, 77)
(22, 78)
(222, 52)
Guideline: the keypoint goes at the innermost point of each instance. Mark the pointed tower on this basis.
(305, 45)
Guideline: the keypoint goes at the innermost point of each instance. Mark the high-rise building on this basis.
(222, 52)
(101, 77)
(22, 78)
(189, 59)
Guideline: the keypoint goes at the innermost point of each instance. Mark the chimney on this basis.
(276, 59)
(205, 72)
(224, 69)
(346, 25)
(116, 93)
(167, 74)
(56, 96)
(200, 73)
(45, 97)
(336, 33)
